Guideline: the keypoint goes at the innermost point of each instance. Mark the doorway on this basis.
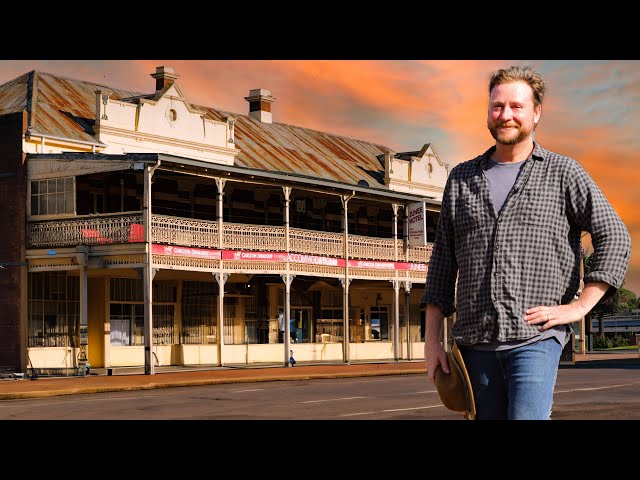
(300, 324)
(379, 316)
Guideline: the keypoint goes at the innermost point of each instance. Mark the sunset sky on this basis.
(591, 110)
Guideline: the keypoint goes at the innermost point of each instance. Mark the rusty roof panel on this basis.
(50, 121)
(64, 107)
(13, 95)
(287, 148)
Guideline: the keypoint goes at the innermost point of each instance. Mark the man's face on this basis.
(512, 115)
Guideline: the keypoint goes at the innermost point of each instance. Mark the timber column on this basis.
(148, 271)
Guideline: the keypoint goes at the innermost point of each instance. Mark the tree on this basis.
(628, 299)
(622, 299)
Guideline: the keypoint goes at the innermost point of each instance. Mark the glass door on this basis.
(379, 322)
(300, 325)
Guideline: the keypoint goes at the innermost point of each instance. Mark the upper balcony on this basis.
(128, 228)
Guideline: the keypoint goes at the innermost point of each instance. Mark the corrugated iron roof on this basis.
(57, 106)
(14, 94)
(64, 107)
(291, 149)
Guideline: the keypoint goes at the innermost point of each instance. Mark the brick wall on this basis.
(12, 235)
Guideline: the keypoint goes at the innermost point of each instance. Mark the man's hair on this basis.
(517, 73)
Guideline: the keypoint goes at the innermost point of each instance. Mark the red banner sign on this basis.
(186, 251)
(283, 257)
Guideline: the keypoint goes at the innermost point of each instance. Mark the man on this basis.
(509, 235)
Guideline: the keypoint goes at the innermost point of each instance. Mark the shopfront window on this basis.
(126, 312)
(54, 309)
(199, 312)
(127, 324)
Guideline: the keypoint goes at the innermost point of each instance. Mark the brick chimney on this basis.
(260, 104)
(164, 76)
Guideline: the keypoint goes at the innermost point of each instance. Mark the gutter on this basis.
(31, 134)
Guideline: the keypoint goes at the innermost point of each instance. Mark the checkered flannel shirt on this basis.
(527, 256)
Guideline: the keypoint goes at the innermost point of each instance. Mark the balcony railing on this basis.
(128, 228)
(87, 230)
(316, 243)
(184, 231)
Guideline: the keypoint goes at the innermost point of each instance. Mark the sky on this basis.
(591, 110)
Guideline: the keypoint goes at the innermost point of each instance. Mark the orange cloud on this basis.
(589, 112)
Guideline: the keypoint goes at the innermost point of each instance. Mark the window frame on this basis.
(69, 203)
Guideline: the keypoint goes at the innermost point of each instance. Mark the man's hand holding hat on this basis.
(454, 388)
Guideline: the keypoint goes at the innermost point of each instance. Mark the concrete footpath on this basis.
(167, 377)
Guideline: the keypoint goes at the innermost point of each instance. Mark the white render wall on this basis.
(423, 175)
(252, 354)
(166, 125)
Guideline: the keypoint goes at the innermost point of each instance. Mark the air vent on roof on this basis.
(363, 183)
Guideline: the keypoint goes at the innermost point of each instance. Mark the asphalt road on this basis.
(588, 391)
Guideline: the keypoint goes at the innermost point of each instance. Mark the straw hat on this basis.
(454, 388)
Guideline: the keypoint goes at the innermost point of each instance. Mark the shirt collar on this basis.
(538, 153)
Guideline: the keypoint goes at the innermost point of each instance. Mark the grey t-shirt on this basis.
(501, 177)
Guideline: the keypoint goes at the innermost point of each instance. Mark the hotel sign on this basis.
(417, 234)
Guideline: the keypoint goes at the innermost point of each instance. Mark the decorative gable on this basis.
(418, 173)
(164, 123)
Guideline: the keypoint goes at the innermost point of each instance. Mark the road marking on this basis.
(83, 400)
(333, 399)
(597, 388)
(248, 390)
(404, 394)
(390, 410)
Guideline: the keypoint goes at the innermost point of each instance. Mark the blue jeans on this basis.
(514, 384)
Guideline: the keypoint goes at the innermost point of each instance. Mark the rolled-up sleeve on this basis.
(590, 211)
(443, 267)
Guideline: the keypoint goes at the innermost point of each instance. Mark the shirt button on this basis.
(496, 247)
(495, 274)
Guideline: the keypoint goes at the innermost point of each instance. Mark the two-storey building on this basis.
(141, 229)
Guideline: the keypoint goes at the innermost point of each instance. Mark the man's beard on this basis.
(503, 139)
